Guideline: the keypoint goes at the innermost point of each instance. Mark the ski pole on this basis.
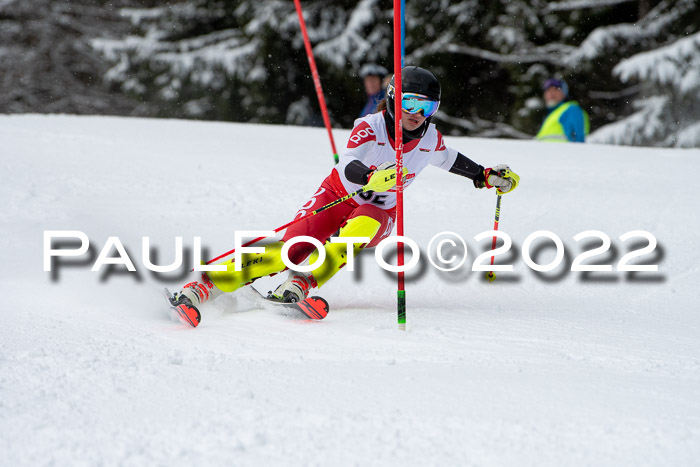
(312, 213)
(490, 275)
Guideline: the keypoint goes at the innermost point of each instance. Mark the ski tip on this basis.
(314, 307)
(187, 314)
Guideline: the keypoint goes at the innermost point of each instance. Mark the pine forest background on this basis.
(634, 65)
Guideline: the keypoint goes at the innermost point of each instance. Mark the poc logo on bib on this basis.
(361, 134)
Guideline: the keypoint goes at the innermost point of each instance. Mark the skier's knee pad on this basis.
(253, 266)
(336, 253)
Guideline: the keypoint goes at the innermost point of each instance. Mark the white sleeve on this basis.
(443, 156)
(444, 159)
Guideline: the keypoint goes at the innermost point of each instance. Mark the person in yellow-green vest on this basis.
(565, 120)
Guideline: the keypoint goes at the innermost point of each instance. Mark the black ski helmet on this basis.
(420, 81)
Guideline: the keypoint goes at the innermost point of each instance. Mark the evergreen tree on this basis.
(242, 61)
(660, 57)
(46, 62)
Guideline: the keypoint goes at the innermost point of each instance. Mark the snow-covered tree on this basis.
(656, 61)
(46, 63)
(243, 60)
(668, 113)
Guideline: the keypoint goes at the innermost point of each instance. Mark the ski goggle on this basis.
(413, 103)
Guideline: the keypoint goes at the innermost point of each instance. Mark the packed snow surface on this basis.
(554, 368)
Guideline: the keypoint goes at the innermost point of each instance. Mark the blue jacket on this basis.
(372, 102)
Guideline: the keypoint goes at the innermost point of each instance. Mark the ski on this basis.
(315, 307)
(187, 312)
(312, 307)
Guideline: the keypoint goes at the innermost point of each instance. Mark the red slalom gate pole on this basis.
(317, 80)
(398, 133)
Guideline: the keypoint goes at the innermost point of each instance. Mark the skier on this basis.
(565, 120)
(369, 161)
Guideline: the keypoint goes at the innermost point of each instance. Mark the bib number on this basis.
(375, 198)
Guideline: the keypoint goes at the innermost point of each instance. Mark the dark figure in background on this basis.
(373, 76)
(565, 120)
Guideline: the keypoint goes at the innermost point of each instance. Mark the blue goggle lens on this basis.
(414, 103)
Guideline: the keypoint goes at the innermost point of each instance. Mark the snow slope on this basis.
(560, 368)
